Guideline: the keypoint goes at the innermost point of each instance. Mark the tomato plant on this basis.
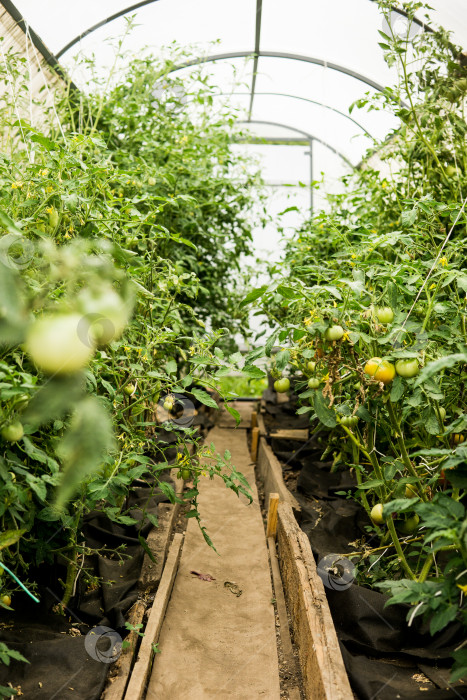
(113, 253)
(386, 262)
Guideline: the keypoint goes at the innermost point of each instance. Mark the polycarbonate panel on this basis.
(272, 131)
(452, 15)
(213, 26)
(232, 76)
(339, 31)
(316, 121)
(321, 85)
(282, 164)
(58, 21)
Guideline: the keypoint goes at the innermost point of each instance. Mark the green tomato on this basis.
(53, 218)
(129, 389)
(6, 600)
(411, 491)
(55, 345)
(151, 181)
(168, 404)
(407, 368)
(406, 527)
(442, 412)
(106, 313)
(334, 333)
(349, 421)
(185, 474)
(313, 383)
(2, 570)
(385, 314)
(377, 514)
(282, 385)
(451, 171)
(13, 432)
(311, 366)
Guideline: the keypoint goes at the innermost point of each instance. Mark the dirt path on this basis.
(215, 643)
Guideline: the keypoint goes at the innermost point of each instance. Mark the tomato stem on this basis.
(397, 545)
(400, 441)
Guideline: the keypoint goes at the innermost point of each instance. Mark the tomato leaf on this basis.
(9, 537)
(254, 295)
(282, 359)
(204, 398)
(436, 366)
(234, 413)
(84, 447)
(253, 372)
(397, 389)
(324, 413)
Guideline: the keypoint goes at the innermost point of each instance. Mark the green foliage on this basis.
(396, 237)
(122, 228)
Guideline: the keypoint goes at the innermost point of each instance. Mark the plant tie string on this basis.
(13, 576)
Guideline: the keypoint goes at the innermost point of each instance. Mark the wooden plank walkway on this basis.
(216, 643)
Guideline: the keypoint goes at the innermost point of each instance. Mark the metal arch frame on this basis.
(307, 137)
(137, 5)
(310, 139)
(280, 54)
(102, 23)
(305, 99)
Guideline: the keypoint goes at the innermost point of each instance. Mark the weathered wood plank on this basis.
(270, 471)
(262, 428)
(297, 435)
(142, 666)
(271, 525)
(287, 648)
(323, 670)
(117, 683)
(254, 444)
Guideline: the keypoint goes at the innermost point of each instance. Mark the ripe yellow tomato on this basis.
(377, 514)
(381, 370)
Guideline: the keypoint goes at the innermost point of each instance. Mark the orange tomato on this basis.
(381, 370)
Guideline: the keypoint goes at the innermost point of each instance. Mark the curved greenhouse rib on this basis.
(102, 23)
(307, 137)
(305, 99)
(137, 5)
(288, 56)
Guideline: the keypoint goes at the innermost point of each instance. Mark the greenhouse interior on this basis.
(233, 350)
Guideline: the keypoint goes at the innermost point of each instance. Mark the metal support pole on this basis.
(312, 189)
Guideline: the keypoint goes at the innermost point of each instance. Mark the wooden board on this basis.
(287, 648)
(297, 435)
(323, 670)
(139, 676)
(270, 472)
(118, 681)
(260, 424)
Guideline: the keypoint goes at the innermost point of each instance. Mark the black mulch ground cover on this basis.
(384, 657)
(65, 662)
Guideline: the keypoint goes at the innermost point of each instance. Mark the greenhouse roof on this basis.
(292, 69)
